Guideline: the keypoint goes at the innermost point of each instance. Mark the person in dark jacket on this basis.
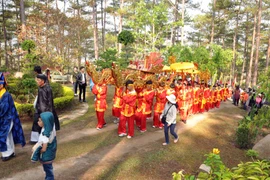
(82, 84)
(44, 103)
(11, 131)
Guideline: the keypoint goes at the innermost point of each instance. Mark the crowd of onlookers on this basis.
(248, 99)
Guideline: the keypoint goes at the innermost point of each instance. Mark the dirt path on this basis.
(90, 165)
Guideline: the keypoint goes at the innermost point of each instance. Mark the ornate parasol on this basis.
(182, 66)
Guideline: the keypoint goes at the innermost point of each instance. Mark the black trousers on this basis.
(75, 87)
(82, 88)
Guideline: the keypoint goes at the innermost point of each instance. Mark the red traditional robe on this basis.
(226, 93)
(128, 113)
(218, 98)
(138, 113)
(159, 106)
(196, 100)
(202, 101)
(117, 102)
(147, 103)
(206, 97)
(191, 99)
(100, 105)
(183, 103)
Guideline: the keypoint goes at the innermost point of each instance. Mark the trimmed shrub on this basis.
(68, 91)
(57, 90)
(59, 103)
(62, 102)
(243, 136)
(25, 109)
(22, 98)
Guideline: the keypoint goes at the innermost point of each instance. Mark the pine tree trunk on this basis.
(245, 53)
(5, 34)
(95, 30)
(175, 20)
(248, 82)
(23, 21)
(213, 22)
(183, 21)
(104, 25)
(268, 54)
(258, 37)
(79, 58)
(120, 25)
(235, 44)
(153, 30)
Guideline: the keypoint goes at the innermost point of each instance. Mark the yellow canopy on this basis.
(166, 68)
(192, 71)
(182, 66)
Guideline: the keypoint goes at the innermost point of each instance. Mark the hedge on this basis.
(59, 103)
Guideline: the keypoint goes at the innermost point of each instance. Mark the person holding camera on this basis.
(168, 118)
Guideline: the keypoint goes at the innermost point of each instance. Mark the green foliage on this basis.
(252, 153)
(68, 91)
(263, 117)
(62, 102)
(126, 37)
(22, 98)
(250, 126)
(218, 169)
(57, 89)
(243, 136)
(264, 83)
(25, 109)
(28, 45)
(29, 85)
(107, 58)
(252, 170)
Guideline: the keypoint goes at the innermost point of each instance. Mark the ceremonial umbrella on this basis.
(182, 66)
(192, 71)
(166, 68)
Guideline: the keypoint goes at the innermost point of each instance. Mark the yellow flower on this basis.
(216, 151)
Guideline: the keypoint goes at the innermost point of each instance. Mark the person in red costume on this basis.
(191, 98)
(117, 103)
(159, 105)
(183, 103)
(171, 90)
(202, 100)
(226, 92)
(138, 113)
(206, 95)
(147, 103)
(218, 95)
(100, 90)
(128, 110)
(196, 92)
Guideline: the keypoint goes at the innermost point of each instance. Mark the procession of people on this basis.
(142, 96)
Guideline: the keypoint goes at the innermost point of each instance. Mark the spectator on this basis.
(74, 80)
(236, 96)
(82, 84)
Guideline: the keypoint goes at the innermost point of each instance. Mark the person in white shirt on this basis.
(170, 112)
